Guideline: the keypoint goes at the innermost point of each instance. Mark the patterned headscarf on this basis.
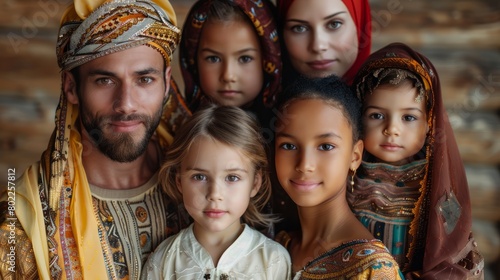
(442, 221)
(360, 13)
(261, 14)
(91, 29)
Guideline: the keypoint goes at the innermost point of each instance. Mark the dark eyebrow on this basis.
(325, 18)
(227, 170)
(334, 15)
(321, 136)
(282, 134)
(329, 135)
(100, 72)
(195, 169)
(148, 71)
(218, 53)
(380, 108)
(236, 169)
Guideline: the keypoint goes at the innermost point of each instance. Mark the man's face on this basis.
(120, 98)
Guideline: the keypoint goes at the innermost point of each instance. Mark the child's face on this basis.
(229, 62)
(395, 123)
(314, 152)
(216, 182)
(320, 37)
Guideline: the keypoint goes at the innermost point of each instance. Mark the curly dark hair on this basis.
(332, 90)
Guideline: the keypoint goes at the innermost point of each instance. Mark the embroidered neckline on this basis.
(399, 175)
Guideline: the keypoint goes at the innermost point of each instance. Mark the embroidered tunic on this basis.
(132, 225)
(383, 200)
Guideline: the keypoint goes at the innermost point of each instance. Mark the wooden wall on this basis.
(462, 38)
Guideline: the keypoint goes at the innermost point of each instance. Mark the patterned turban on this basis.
(90, 29)
(94, 28)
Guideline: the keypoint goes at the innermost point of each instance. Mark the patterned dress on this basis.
(383, 198)
(356, 259)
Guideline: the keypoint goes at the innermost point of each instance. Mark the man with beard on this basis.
(92, 208)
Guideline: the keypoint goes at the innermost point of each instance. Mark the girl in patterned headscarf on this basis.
(230, 55)
(322, 38)
(411, 191)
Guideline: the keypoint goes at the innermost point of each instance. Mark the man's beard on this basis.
(120, 147)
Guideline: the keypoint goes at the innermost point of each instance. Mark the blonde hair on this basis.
(231, 126)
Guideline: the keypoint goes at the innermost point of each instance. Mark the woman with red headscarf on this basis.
(323, 38)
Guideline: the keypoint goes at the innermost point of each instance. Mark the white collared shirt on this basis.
(251, 256)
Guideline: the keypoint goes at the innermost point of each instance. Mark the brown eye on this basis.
(199, 177)
(245, 59)
(288, 146)
(103, 81)
(146, 80)
(376, 116)
(232, 178)
(409, 118)
(326, 147)
(212, 59)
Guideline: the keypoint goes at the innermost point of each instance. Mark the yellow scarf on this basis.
(78, 43)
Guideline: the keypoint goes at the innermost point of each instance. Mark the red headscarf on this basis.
(441, 228)
(360, 13)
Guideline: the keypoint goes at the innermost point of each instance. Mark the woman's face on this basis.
(321, 37)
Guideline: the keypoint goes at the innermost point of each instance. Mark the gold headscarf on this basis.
(94, 28)
(90, 29)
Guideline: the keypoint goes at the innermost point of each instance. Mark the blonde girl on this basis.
(217, 167)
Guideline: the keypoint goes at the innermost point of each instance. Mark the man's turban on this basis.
(95, 28)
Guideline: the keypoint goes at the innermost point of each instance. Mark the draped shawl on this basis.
(441, 228)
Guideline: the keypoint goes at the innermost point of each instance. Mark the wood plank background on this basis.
(461, 37)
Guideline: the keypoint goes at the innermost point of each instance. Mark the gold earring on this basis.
(352, 179)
